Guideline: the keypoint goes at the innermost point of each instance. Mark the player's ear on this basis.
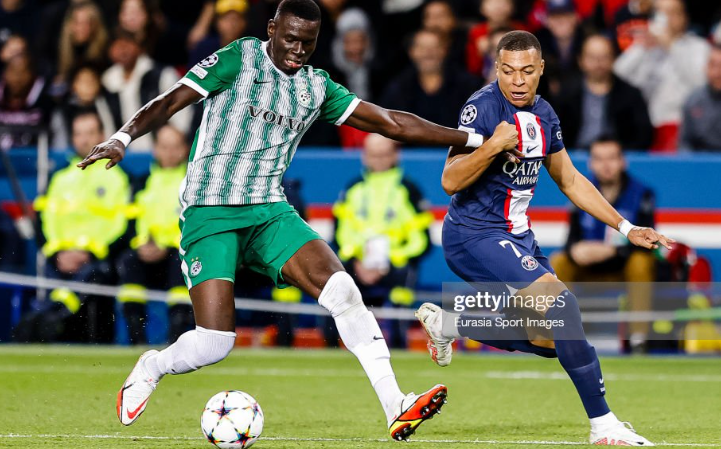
(543, 65)
(271, 28)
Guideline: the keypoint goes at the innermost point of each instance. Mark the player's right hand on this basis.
(506, 137)
(112, 149)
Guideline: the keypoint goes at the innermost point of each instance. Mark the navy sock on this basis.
(577, 356)
(509, 339)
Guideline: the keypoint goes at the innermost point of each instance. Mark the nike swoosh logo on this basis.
(260, 82)
(532, 148)
(133, 414)
(600, 380)
(377, 338)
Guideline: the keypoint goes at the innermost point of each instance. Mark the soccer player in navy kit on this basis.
(487, 235)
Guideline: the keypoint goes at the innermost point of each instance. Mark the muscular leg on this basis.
(212, 339)
(316, 270)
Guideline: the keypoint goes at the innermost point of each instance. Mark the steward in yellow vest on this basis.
(382, 228)
(152, 262)
(83, 217)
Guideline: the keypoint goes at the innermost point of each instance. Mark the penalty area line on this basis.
(333, 440)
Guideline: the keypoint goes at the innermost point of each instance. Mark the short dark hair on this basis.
(606, 138)
(89, 113)
(518, 41)
(304, 9)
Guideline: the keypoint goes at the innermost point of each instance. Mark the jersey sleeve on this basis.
(215, 73)
(479, 115)
(339, 103)
(556, 134)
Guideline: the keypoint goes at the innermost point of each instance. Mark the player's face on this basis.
(607, 162)
(518, 75)
(292, 42)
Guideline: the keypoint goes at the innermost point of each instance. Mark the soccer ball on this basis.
(232, 420)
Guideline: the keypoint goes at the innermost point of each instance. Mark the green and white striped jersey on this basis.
(254, 116)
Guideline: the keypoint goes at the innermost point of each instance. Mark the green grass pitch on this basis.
(64, 397)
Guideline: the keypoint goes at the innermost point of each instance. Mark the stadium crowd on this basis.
(646, 71)
(643, 73)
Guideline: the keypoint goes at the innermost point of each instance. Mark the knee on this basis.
(212, 346)
(564, 267)
(340, 294)
(640, 267)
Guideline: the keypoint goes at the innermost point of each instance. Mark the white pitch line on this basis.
(353, 373)
(336, 440)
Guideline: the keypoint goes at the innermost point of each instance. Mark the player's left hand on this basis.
(648, 238)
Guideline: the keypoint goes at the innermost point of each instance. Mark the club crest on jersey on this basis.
(469, 114)
(531, 130)
(196, 267)
(529, 263)
(210, 61)
(304, 98)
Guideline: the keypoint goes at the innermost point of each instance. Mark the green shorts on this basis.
(216, 240)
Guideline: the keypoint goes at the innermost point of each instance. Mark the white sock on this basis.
(360, 333)
(449, 328)
(193, 350)
(607, 420)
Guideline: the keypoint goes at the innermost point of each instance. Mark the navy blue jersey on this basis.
(500, 197)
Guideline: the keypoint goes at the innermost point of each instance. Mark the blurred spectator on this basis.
(561, 42)
(24, 103)
(83, 217)
(382, 228)
(431, 89)
(12, 245)
(331, 11)
(667, 64)
(143, 19)
(88, 95)
(438, 16)
(632, 22)
(596, 253)
(17, 17)
(135, 79)
(596, 102)
(230, 24)
(489, 64)
(353, 52)
(498, 14)
(83, 40)
(152, 260)
(15, 45)
(702, 112)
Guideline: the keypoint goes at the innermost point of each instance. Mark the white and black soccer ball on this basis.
(232, 419)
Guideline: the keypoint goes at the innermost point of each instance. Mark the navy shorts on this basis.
(494, 255)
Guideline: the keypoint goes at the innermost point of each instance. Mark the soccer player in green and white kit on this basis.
(259, 99)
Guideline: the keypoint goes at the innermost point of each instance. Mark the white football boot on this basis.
(133, 397)
(440, 347)
(619, 434)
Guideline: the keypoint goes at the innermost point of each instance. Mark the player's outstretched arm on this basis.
(406, 127)
(583, 194)
(149, 118)
(465, 165)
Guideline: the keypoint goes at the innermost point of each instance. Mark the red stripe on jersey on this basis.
(543, 134)
(507, 205)
(520, 135)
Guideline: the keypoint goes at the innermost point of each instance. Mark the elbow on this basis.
(392, 127)
(450, 187)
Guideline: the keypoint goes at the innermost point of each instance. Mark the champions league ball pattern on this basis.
(232, 419)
